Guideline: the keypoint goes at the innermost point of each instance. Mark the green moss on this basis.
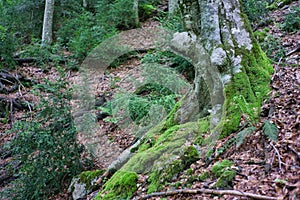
(189, 171)
(164, 173)
(261, 35)
(190, 155)
(220, 167)
(172, 116)
(87, 177)
(225, 179)
(203, 176)
(121, 185)
(251, 85)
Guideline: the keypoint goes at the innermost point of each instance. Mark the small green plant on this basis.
(270, 130)
(292, 20)
(46, 146)
(146, 97)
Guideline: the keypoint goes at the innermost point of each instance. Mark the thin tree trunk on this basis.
(136, 11)
(173, 6)
(48, 22)
(84, 3)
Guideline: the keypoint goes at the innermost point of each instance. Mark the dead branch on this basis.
(16, 103)
(294, 50)
(208, 191)
(278, 155)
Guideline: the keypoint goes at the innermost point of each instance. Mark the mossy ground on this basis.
(87, 177)
(224, 173)
(121, 185)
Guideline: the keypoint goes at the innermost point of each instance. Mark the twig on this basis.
(294, 50)
(208, 191)
(278, 155)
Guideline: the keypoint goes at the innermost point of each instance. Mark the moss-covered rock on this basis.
(220, 167)
(225, 175)
(121, 185)
(84, 183)
(167, 170)
(225, 180)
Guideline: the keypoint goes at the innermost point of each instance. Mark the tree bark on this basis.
(84, 3)
(136, 12)
(48, 22)
(173, 6)
(219, 42)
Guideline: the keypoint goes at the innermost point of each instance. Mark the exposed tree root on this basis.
(208, 191)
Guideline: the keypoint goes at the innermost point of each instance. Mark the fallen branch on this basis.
(278, 155)
(208, 191)
(294, 50)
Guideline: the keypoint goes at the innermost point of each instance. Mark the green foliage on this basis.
(148, 96)
(146, 8)
(292, 20)
(46, 145)
(119, 14)
(240, 137)
(270, 130)
(255, 10)
(25, 17)
(221, 167)
(171, 22)
(271, 46)
(225, 179)
(203, 176)
(7, 48)
(83, 33)
(180, 64)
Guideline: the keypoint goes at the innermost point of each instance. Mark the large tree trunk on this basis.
(228, 62)
(48, 22)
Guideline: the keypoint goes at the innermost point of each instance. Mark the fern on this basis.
(270, 130)
(240, 137)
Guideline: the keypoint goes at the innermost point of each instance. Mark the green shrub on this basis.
(7, 48)
(292, 20)
(255, 10)
(46, 146)
(83, 33)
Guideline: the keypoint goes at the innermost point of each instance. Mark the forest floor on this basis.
(266, 168)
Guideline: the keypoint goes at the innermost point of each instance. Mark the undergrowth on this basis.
(45, 145)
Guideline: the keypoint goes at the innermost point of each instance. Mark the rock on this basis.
(84, 183)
